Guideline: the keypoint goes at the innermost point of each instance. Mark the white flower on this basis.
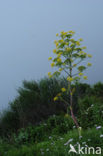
(92, 105)
(50, 137)
(61, 138)
(74, 127)
(89, 139)
(98, 127)
(80, 137)
(42, 153)
(77, 143)
(47, 149)
(70, 140)
(101, 136)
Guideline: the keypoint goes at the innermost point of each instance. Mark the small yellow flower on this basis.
(85, 77)
(72, 40)
(60, 69)
(84, 47)
(89, 55)
(68, 49)
(70, 79)
(80, 39)
(59, 60)
(52, 64)
(59, 94)
(78, 43)
(89, 64)
(49, 74)
(66, 115)
(57, 44)
(54, 51)
(74, 65)
(55, 98)
(57, 34)
(71, 32)
(63, 89)
(60, 41)
(50, 58)
(55, 41)
(80, 74)
(81, 52)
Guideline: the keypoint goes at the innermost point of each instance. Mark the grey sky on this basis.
(27, 32)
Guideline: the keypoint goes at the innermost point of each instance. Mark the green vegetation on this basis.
(41, 133)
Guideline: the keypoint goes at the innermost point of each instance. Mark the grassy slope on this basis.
(54, 146)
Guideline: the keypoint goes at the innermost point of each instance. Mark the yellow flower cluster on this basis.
(49, 74)
(50, 58)
(59, 60)
(70, 79)
(85, 77)
(84, 47)
(89, 55)
(54, 51)
(63, 89)
(52, 64)
(60, 69)
(55, 98)
(80, 74)
(80, 39)
(77, 43)
(89, 64)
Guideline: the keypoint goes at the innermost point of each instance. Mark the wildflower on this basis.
(50, 137)
(80, 74)
(60, 41)
(89, 64)
(61, 138)
(89, 55)
(66, 115)
(59, 60)
(98, 127)
(50, 58)
(47, 149)
(42, 153)
(72, 40)
(78, 43)
(54, 51)
(85, 77)
(68, 49)
(70, 140)
(57, 44)
(60, 69)
(71, 32)
(84, 47)
(80, 39)
(80, 137)
(57, 34)
(74, 65)
(52, 64)
(81, 52)
(63, 89)
(101, 136)
(74, 127)
(49, 74)
(70, 79)
(55, 98)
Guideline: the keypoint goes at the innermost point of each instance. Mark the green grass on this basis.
(54, 146)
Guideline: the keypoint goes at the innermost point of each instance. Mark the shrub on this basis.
(91, 111)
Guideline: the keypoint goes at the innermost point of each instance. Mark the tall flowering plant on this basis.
(69, 56)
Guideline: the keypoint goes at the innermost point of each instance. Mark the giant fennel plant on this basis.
(69, 56)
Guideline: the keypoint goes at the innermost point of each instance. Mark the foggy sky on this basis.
(27, 32)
